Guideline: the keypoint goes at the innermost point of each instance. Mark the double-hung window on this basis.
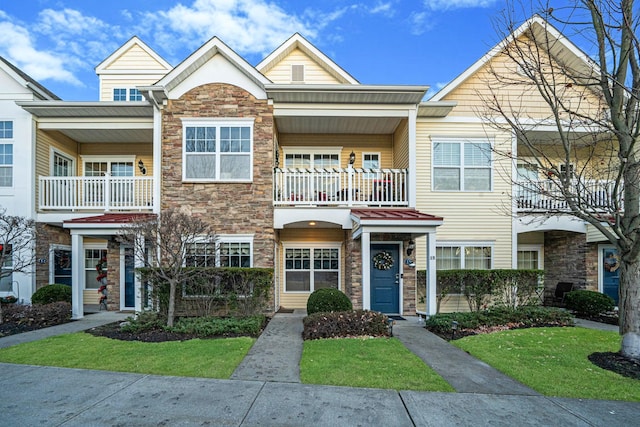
(470, 256)
(6, 282)
(217, 150)
(226, 251)
(135, 95)
(311, 268)
(462, 165)
(120, 94)
(6, 154)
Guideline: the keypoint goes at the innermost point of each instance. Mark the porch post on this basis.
(77, 276)
(107, 192)
(138, 263)
(431, 274)
(365, 241)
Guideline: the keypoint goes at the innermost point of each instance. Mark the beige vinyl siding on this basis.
(307, 236)
(594, 235)
(360, 143)
(454, 303)
(45, 141)
(136, 58)
(531, 238)
(108, 84)
(313, 72)
(142, 152)
(521, 98)
(468, 216)
(401, 146)
(91, 296)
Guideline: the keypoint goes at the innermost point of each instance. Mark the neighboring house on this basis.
(296, 165)
(17, 161)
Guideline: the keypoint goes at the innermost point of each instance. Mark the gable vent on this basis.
(297, 73)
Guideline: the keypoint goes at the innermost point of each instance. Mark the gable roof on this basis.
(102, 68)
(559, 47)
(198, 58)
(25, 80)
(296, 41)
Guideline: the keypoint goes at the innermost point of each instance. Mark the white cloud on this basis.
(16, 44)
(457, 4)
(383, 8)
(418, 23)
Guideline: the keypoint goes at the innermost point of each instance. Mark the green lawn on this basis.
(367, 362)
(214, 358)
(553, 361)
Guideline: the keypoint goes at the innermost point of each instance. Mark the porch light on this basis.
(143, 170)
(312, 223)
(410, 247)
(352, 158)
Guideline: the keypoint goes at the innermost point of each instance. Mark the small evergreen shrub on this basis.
(220, 326)
(327, 300)
(345, 324)
(52, 293)
(145, 321)
(38, 316)
(588, 303)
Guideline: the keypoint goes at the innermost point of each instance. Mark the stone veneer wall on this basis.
(113, 275)
(565, 255)
(231, 208)
(48, 235)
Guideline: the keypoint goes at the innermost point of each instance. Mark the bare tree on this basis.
(591, 164)
(163, 245)
(17, 238)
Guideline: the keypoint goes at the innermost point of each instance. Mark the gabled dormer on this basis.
(133, 64)
(297, 61)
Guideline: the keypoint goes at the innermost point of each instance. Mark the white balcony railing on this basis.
(545, 196)
(103, 193)
(334, 186)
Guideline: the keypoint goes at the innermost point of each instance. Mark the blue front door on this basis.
(610, 272)
(385, 278)
(129, 279)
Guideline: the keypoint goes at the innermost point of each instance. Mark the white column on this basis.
(77, 276)
(413, 176)
(138, 263)
(157, 157)
(431, 274)
(365, 242)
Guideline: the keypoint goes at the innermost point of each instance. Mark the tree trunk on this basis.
(629, 308)
(172, 303)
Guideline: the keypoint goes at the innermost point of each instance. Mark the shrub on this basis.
(588, 303)
(40, 315)
(509, 318)
(220, 326)
(145, 321)
(328, 300)
(52, 293)
(345, 324)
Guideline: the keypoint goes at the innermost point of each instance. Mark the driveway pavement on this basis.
(47, 396)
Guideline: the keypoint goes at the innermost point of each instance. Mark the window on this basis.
(62, 165)
(218, 151)
(462, 166)
(297, 73)
(529, 257)
(232, 251)
(470, 257)
(135, 95)
(119, 94)
(371, 161)
(6, 165)
(6, 130)
(93, 257)
(6, 282)
(308, 269)
(62, 266)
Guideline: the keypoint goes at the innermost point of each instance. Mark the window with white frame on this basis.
(463, 256)
(6, 282)
(6, 153)
(462, 165)
(119, 94)
(95, 260)
(529, 257)
(135, 95)
(227, 251)
(218, 150)
(311, 268)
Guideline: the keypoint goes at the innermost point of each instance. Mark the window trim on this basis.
(463, 244)
(52, 268)
(107, 159)
(9, 141)
(55, 151)
(461, 142)
(217, 123)
(113, 94)
(532, 248)
(312, 246)
(92, 246)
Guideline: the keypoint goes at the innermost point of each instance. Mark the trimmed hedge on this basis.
(588, 303)
(522, 317)
(52, 293)
(38, 315)
(328, 300)
(345, 324)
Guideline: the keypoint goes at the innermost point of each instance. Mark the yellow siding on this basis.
(362, 143)
(136, 58)
(454, 303)
(288, 236)
(401, 146)
(468, 216)
(45, 141)
(91, 296)
(313, 72)
(108, 84)
(594, 235)
(142, 152)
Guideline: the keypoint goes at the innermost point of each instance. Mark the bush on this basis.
(328, 300)
(52, 293)
(145, 321)
(345, 324)
(588, 303)
(220, 326)
(503, 317)
(38, 316)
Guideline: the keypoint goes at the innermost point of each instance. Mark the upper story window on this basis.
(119, 94)
(6, 129)
(135, 95)
(6, 154)
(217, 150)
(462, 166)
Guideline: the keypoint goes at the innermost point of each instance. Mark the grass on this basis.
(215, 358)
(367, 362)
(553, 361)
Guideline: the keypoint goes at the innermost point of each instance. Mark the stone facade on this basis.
(113, 275)
(231, 208)
(565, 260)
(48, 235)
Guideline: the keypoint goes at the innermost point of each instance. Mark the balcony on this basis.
(544, 196)
(104, 193)
(340, 187)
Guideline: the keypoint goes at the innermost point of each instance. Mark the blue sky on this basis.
(425, 42)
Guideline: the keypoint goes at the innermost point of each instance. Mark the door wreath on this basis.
(383, 261)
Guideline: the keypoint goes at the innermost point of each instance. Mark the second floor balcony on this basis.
(545, 196)
(340, 187)
(104, 193)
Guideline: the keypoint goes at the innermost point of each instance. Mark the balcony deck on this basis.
(545, 196)
(104, 193)
(340, 187)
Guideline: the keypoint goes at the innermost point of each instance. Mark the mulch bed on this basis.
(617, 363)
